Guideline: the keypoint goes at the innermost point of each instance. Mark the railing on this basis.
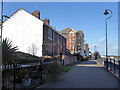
(35, 74)
(113, 65)
(10, 66)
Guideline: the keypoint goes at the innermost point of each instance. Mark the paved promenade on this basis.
(85, 75)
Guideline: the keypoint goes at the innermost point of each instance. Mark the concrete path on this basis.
(85, 75)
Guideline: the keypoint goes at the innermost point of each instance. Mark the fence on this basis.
(12, 73)
(113, 65)
(11, 66)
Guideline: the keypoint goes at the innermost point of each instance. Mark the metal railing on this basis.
(113, 65)
(36, 69)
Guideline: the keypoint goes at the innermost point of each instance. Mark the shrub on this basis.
(52, 70)
(79, 57)
(23, 74)
(96, 54)
(86, 58)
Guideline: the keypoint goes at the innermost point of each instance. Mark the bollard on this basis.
(119, 68)
(114, 65)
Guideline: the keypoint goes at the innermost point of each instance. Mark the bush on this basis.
(86, 58)
(23, 74)
(96, 54)
(79, 57)
(52, 70)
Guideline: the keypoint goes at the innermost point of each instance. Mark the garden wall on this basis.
(69, 60)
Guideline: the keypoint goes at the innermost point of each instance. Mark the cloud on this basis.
(102, 39)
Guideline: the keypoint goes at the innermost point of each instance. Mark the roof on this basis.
(18, 11)
(81, 32)
(65, 30)
(35, 17)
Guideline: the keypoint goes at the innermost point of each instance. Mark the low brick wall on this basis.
(69, 60)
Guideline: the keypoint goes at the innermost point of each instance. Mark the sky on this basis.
(86, 16)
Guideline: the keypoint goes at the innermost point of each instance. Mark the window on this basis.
(49, 34)
(73, 40)
(69, 46)
(64, 42)
(61, 40)
(69, 40)
(53, 36)
(58, 39)
(72, 34)
(69, 34)
(73, 47)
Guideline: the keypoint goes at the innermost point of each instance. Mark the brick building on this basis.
(74, 40)
(53, 42)
(25, 29)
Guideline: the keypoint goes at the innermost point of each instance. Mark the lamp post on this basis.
(1, 45)
(106, 13)
(1, 24)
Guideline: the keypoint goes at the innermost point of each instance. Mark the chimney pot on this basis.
(36, 14)
(47, 21)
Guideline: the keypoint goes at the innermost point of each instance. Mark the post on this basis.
(41, 71)
(114, 65)
(14, 77)
(110, 64)
(119, 68)
(106, 48)
(1, 45)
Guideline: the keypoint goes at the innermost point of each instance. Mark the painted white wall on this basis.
(23, 29)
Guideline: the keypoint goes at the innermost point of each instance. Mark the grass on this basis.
(65, 68)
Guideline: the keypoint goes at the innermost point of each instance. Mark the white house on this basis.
(25, 30)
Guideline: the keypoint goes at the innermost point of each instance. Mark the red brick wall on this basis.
(72, 43)
(48, 42)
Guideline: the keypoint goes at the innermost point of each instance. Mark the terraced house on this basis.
(74, 40)
(28, 31)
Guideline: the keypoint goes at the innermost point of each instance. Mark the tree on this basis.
(96, 54)
(8, 51)
(33, 49)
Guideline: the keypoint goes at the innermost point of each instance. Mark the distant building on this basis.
(25, 29)
(74, 40)
(86, 49)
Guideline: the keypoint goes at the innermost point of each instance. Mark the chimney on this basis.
(47, 21)
(36, 14)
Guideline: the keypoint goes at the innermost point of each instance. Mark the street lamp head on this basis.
(106, 12)
(6, 16)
